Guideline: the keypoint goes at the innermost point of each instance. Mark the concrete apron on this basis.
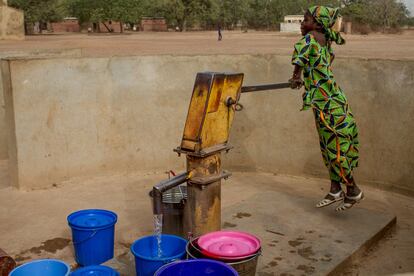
(297, 239)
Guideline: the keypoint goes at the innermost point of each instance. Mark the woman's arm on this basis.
(296, 81)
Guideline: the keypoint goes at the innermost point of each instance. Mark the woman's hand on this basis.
(296, 83)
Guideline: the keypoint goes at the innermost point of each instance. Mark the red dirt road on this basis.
(392, 46)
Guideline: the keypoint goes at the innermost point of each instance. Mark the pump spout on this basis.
(163, 186)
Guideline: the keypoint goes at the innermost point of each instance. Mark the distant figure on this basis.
(335, 123)
(220, 37)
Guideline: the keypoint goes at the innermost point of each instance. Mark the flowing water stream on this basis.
(158, 232)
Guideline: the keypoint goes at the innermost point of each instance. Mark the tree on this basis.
(230, 12)
(106, 10)
(183, 13)
(389, 13)
(38, 10)
(376, 13)
(208, 13)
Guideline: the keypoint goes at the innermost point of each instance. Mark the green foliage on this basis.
(376, 13)
(409, 20)
(39, 10)
(104, 10)
(183, 13)
(208, 14)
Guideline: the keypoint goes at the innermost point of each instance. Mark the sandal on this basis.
(350, 201)
(330, 198)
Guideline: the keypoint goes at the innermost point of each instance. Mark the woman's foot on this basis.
(331, 198)
(353, 196)
(335, 194)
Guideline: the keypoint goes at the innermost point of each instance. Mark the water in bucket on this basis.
(145, 253)
(43, 267)
(95, 270)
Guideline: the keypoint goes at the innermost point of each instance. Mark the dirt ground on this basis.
(391, 46)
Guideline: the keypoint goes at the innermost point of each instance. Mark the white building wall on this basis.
(290, 27)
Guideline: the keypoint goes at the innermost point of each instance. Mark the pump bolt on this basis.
(230, 101)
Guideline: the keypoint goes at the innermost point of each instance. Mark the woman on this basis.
(338, 133)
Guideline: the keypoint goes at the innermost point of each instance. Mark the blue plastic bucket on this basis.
(145, 251)
(44, 267)
(95, 270)
(201, 267)
(93, 233)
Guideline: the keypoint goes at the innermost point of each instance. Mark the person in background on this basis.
(335, 123)
(220, 37)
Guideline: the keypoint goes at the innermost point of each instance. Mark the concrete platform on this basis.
(297, 238)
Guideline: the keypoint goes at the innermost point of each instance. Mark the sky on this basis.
(410, 5)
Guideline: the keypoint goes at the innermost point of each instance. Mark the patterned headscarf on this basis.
(327, 18)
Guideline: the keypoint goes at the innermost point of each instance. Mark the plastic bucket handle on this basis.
(171, 261)
(88, 238)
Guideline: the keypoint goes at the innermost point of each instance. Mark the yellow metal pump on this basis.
(206, 133)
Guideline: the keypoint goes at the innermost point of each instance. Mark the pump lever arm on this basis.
(262, 87)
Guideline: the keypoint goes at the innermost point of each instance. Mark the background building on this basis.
(153, 24)
(69, 24)
(291, 24)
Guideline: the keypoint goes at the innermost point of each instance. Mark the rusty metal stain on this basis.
(204, 166)
(197, 107)
(203, 206)
(217, 125)
(216, 93)
(207, 219)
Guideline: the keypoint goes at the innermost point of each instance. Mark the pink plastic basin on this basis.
(229, 244)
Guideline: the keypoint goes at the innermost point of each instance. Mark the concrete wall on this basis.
(26, 54)
(3, 128)
(93, 116)
(11, 23)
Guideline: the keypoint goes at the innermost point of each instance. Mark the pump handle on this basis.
(262, 87)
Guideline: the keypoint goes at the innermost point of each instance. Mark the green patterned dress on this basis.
(338, 133)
